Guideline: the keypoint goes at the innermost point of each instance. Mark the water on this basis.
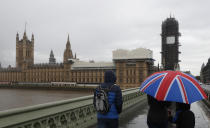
(15, 98)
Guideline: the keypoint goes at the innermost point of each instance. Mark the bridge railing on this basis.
(206, 89)
(73, 113)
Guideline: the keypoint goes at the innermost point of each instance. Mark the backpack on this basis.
(101, 100)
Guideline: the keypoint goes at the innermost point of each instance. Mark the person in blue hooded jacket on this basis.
(111, 118)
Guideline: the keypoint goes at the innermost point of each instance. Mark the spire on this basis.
(68, 43)
(68, 52)
(52, 59)
(51, 53)
(24, 35)
(68, 38)
(32, 37)
(0, 64)
(17, 37)
(25, 27)
(75, 56)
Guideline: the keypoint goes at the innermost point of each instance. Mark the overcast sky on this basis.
(97, 27)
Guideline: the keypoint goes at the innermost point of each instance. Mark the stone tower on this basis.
(201, 73)
(68, 52)
(52, 59)
(170, 44)
(24, 51)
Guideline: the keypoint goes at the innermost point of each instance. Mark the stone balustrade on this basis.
(51, 86)
(206, 89)
(73, 113)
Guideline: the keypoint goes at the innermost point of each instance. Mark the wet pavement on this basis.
(140, 115)
(202, 118)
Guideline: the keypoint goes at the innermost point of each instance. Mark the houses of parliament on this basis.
(131, 66)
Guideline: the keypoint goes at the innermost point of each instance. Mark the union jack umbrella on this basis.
(173, 86)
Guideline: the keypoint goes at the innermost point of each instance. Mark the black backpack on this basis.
(101, 99)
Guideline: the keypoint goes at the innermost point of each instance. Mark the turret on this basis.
(208, 63)
(17, 37)
(201, 73)
(24, 36)
(68, 52)
(52, 59)
(24, 51)
(32, 37)
(203, 65)
(68, 46)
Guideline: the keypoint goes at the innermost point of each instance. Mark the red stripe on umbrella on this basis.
(183, 89)
(162, 91)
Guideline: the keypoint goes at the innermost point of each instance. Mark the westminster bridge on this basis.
(79, 113)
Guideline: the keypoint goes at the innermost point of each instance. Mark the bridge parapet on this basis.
(73, 113)
(206, 89)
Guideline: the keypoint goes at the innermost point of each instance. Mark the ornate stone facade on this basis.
(24, 51)
(205, 72)
(130, 71)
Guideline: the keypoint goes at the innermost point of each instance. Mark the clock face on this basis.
(170, 40)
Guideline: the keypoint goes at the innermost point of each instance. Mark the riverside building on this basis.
(131, 66)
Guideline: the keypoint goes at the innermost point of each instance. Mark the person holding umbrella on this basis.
(157, 116)
(173, 86)
(184, 117)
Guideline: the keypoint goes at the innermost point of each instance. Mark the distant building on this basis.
(24, 51)
(131, 67)
(205, 72)
(170, 44)
(52, 59)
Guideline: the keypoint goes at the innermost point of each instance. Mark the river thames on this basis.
(16, 98)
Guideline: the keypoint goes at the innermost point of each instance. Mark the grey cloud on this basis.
(97, 27)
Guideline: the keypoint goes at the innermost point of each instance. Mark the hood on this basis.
(109, 77)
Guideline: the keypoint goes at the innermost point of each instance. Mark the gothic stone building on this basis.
(205, 72)
(131, 67)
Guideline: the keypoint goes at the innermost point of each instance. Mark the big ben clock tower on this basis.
(170, 44)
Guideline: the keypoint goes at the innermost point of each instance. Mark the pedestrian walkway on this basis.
(140, 116)
(201, 118)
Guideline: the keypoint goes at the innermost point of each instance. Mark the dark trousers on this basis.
(107, 123)
(161, 125)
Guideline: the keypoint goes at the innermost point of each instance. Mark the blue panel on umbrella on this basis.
(151, 90)
(174, 93)
(149, 79)
(193, 93)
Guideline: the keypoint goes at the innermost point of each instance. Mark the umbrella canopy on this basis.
(173, 86)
